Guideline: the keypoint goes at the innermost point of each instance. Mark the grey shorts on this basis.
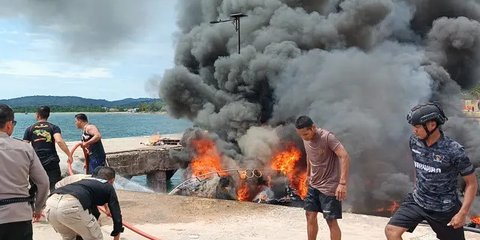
(319, 202)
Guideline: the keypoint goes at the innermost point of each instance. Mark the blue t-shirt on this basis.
(436, 169)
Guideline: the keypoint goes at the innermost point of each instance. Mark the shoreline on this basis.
(53, 113)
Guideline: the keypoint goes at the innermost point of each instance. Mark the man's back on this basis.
(19, 162)
(71, 179)
(92, 192)
(41, 136)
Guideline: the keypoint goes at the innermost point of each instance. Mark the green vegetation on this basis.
(158, 106)
(32, 109)
(76, 104)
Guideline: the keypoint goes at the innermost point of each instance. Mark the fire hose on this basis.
(125, 224)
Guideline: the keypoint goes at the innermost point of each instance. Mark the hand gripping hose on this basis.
(125, 224)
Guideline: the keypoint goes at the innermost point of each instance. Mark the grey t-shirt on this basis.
(324, 163)
(436, 169)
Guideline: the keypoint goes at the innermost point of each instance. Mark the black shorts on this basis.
(410, 214)
(319, 202)
(16, 231)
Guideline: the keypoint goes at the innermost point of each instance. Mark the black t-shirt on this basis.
(92, 192)
(41, 137)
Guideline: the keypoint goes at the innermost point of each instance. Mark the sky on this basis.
(43, 58)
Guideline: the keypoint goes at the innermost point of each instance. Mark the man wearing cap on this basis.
(438, 160)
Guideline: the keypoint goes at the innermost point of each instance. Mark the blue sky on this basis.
(35, 61)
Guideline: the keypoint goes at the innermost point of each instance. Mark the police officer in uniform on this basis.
(19, 163)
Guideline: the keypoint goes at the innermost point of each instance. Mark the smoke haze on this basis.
(355, 66)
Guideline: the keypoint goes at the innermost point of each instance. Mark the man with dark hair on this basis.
(19, 163)
(327, 175)
(68, 207)
(438, 160)
(91, 141)
(43, 136)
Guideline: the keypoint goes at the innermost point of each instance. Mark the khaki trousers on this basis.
(67, 217)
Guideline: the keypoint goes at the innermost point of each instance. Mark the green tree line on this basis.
(32, 109)
(157, 106)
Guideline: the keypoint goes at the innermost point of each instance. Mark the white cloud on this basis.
(52, 69)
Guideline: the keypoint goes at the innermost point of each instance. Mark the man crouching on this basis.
(67, 207)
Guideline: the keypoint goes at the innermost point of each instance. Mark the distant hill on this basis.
(35, 101)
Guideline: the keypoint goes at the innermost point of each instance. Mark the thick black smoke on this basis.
(355, 66)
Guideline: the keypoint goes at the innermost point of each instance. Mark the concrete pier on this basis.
(133, 157)
(153, 161)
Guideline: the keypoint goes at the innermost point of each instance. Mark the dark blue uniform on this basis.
(437, 168)
(435, 198)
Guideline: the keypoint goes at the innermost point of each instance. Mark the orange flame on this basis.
(242, 193)
(285, 162)
(390, 209)
(302, 186)
(393, 207)
(207, 158)
(476, 220)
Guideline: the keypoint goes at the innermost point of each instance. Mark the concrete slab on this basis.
(185, 218)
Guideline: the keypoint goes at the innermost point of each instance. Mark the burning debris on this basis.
(355, 66)
(475, 222)
(388, 211)
(211, 177)
(206, 160)
(286, 162)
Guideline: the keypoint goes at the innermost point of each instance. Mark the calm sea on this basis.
(111, 125)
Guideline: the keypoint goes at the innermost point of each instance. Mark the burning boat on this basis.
(281, 181)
